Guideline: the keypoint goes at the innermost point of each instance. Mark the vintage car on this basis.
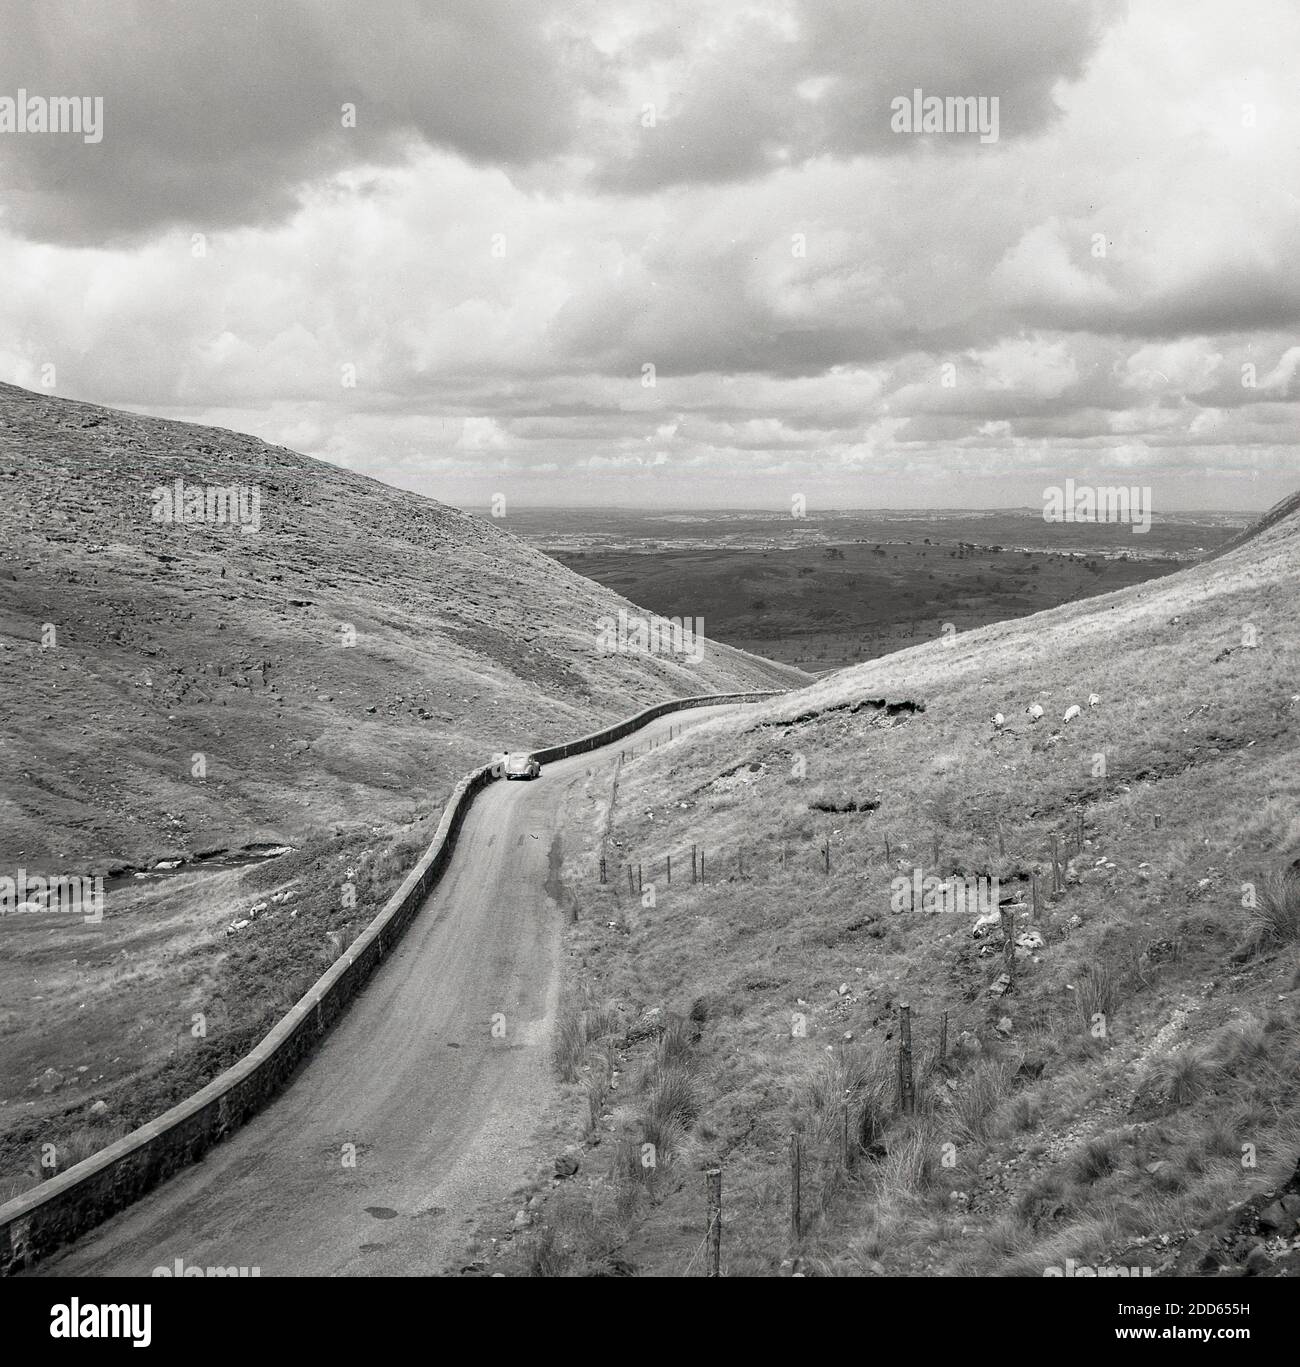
(522, 766)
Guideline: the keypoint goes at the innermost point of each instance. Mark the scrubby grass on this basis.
(1178, 1078)
(581, 1030)
(584, 1233)
(1275, 920)
(1109, 1095)
(981, 1093)
(166, 957)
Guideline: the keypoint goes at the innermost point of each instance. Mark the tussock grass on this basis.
(1085, 1241)
(911, 1161)
(1275, 920)
(669, 1090)
(672, 1104)
(863, 1079)
(1096, 993)
(980, 1094)
(1097, 1159)
(578, 1239)
(1177, 1079)
(579, 1026)
(570, 1043)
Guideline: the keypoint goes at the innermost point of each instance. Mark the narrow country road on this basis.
(442, 1114)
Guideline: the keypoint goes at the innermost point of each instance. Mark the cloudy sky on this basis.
(675, 254)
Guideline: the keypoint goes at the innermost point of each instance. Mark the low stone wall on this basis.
(62, 1209)
(625, 728)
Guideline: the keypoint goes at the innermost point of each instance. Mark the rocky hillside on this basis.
(1122, 1091)
(171, 689)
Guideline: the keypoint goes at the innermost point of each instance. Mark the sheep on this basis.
(999, 721)
(1093, 700)
(1072, 712)
(1035, 712)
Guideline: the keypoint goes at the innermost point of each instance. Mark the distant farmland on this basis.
(835, 590)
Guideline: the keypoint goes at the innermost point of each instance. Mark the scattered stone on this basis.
(49, 1080)
(986, 923)
(568, 1163)
(650, 1025)
(1282, 1217)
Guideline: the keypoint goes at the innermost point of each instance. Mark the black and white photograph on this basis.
(649, 640)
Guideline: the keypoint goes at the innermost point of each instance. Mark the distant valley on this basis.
(830, 590)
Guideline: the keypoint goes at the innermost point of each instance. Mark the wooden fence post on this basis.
(670, 870)
(713, 1180)
(603, 878)
(826, 852)
(1008, 946)
(907, 1088)
(639, 881)
(943, 1040)
(795, 1165)
(631, 882)
(1056, 867)
(889, 859)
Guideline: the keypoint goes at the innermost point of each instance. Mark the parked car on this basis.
(522, 766)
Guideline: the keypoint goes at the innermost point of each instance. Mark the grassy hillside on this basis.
(181, 640)
(1138, 1082)
(170, 691)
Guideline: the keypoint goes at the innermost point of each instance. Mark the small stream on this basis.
(248, 857)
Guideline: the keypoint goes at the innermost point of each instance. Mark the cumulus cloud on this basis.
(772, 85)
(509, 271)
(216, 115)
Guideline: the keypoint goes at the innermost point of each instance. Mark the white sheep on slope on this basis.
(1093, 700)
(999, 721)
(1035, 712)
(1072, 712)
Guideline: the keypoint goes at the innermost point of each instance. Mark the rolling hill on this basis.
(190, 695)
(1133, 1101)
(365, 646)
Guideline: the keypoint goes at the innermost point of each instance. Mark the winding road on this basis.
(415, 1113)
